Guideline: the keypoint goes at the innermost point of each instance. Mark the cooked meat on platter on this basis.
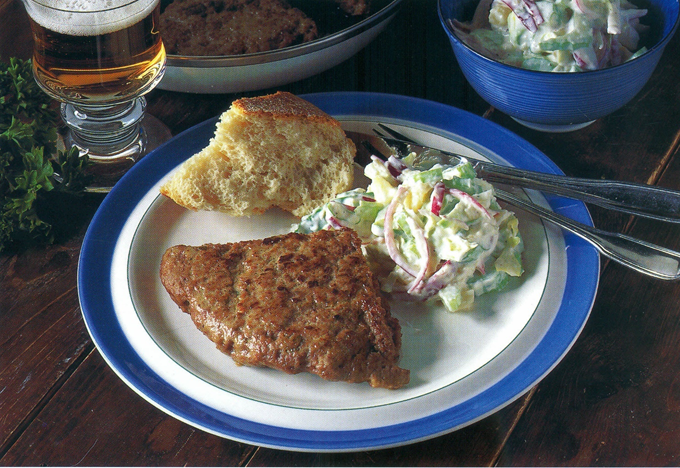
(295, 302)
(236, 27)
(355, 7)
(233, 27)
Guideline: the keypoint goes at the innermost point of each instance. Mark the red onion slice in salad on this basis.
(423, 247)
(390, 241)
(439, 279)
(472, 200)
(585, 58)
(614, 17)
(534, 11)
(395, 166)
(525, 14)
(584, 7)
(335, 222)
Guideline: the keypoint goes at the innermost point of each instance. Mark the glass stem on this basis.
(109, 133)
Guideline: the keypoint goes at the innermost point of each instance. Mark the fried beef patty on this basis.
(233, 27)
(296, 302)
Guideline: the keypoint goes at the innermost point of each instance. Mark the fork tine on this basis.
(373, 150)
(402, 149)
(395, 134)
(423, 155)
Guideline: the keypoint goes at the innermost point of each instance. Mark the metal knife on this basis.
(637, 199)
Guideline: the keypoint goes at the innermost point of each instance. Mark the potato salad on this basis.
(434, 233)
(556, 35)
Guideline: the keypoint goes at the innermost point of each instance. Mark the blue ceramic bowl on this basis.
(557, 102)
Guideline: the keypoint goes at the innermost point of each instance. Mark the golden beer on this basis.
(97, 57)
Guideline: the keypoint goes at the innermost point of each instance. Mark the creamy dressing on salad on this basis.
(556, 35)
(431, 234)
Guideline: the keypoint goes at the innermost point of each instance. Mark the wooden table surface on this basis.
(613, 400)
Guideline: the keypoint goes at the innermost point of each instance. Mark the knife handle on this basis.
(637, 199)
(628, 197)
(641, 256)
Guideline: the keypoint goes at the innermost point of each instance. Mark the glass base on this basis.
(553, 128)
(109, 168)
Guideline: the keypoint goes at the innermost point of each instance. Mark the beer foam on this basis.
(88, 17)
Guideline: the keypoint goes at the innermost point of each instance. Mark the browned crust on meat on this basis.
(233, 27)
(354, 7)
(297, 303)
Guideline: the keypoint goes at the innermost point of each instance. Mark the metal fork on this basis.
(649, 259)
(637, 199)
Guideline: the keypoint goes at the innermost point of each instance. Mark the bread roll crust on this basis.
(269, 151)
(282, 105)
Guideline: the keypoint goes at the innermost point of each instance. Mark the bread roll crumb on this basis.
(269, 151)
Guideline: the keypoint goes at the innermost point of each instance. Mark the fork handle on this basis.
(628, 197)
(639, 255)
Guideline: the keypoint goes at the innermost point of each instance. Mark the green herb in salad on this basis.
(28, 146)
(436, 234)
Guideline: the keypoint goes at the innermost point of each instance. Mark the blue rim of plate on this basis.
(582, 278)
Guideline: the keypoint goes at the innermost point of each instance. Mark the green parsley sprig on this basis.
(28, 144)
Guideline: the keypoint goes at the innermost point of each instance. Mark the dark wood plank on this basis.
(95, 419)
(615, 399)
(475, 445)
(43, 334)
(35, 359)
(15, 31)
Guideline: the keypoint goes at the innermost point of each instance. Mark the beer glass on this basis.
(99, 58)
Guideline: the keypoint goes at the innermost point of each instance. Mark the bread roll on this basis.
(270, 151)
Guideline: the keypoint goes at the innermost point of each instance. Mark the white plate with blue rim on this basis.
(464, 366)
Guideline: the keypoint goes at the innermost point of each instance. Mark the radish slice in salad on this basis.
(395, 166)
(523, 16)
(437, 198)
